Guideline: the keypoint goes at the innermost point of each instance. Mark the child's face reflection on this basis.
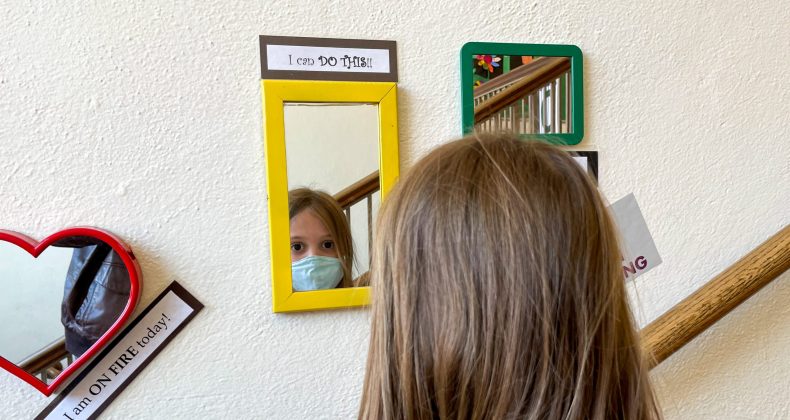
(310, 237)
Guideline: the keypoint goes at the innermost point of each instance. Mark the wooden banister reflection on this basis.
(364, 189)
(508, 78)
(358, 191)
(48, 355)
(678, 326)
(547, 69)
(49, 362)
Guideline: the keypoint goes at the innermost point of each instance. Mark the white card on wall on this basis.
(120, 362)
(588, 160)
(300, 58)
(640, 254)
(582, 161)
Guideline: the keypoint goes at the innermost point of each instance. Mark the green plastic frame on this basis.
(546, 50)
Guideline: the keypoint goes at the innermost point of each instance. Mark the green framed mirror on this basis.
(534, 90)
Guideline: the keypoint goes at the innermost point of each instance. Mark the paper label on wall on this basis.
(118, 364)
(640, 254)
(300, 58)
(588, 160)
(582, 161)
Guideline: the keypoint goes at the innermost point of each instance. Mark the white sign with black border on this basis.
(353, 60)
(299, 58)
(128, 354)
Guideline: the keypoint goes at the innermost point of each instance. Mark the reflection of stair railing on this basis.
(358, 191)
(533, 98)
(364, 189)
(49, 362)
(717, 298)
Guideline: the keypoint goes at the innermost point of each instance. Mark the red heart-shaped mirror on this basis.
(62, 300)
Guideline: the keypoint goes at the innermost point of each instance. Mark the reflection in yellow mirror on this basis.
(331, 156)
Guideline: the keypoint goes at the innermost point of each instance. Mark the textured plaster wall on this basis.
(144, 118)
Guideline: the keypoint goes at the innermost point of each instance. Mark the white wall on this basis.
(145, 119)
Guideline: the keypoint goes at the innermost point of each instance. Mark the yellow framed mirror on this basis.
(334, 143)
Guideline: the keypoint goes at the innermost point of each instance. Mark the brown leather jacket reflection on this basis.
(95, 293)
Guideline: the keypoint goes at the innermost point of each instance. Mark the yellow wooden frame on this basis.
(274, 94)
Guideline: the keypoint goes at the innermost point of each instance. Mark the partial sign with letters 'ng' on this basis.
(640, 254)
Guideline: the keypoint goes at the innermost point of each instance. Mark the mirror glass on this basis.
(332, 158)
(54, 307)
(522, 94)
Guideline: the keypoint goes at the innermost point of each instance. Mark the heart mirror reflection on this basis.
(522, 94)
(56, 306)
(332, 155)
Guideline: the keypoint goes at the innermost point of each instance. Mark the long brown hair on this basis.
(498, 292)
(331, 215)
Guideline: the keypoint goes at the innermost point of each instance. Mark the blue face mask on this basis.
(316, 273)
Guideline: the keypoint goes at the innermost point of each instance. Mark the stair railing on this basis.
(356, 192)
(533, 98)
(47, 363)
(678, 326)
(364, 189)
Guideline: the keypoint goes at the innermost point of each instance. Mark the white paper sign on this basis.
(640, 254)
(582, 161)
(345, 60)
(109, 374)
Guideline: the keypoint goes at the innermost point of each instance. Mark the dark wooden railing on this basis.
(49, 362)
(498, 83)
(527, 99)
(678, 326)
(358, 191)
(353, 194)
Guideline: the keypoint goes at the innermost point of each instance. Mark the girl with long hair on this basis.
(498, 292)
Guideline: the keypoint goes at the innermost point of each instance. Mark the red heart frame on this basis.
(35, 249)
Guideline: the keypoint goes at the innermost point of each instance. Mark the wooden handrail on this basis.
(357, 191)
(552, 68)
(49, 355)
(509, 77)
(678, 326)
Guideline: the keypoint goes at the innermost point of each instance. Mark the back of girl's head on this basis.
(498, 293)
(327, 209)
